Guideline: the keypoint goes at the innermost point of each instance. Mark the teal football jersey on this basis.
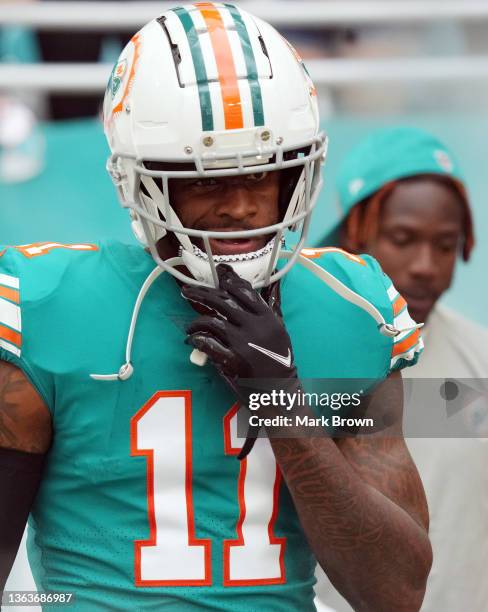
(143, 504)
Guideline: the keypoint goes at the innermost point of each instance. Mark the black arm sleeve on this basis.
(20, 475)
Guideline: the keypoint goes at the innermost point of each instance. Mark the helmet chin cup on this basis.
(249, 266)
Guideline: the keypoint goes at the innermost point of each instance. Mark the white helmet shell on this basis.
(209, 90)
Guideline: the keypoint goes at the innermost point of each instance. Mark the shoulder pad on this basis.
(360, 273)
(364, 275)
(28, 274)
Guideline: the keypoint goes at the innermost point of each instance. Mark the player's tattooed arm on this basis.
(362, 506)
(25, 436)
(360, 501)
(25, 421)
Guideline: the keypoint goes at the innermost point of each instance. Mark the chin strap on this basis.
(126, 370)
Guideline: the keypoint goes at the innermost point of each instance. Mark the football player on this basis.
(129, 472)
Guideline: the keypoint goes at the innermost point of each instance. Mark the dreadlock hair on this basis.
(362, 223)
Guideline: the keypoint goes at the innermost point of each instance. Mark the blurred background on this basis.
(374, 63)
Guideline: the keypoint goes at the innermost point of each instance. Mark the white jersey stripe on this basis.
(9, 347)
(9, 281)
(392, 293)
(402, 321)
(10, 315)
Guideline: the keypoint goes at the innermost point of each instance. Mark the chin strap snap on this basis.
(389, 330)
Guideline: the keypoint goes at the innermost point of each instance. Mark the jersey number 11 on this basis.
(173, 555)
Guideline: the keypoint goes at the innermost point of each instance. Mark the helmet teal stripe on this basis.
(252, 71)
(200, 70)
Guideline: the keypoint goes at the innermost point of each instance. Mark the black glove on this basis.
(243, 336)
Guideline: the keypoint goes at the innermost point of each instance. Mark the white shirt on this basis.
(454, 472)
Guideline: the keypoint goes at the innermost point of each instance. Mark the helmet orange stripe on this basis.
(10, 335)
(224, 59)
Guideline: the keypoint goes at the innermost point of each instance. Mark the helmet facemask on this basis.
(153, 217)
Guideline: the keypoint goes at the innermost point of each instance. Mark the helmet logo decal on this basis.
(443, 160)
(308, 78)
(116, 77)
(223, 52)
(355, 186)
(122, 74)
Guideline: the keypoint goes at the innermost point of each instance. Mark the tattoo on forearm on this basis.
(332, 506)
(347, 528)
(387, 466)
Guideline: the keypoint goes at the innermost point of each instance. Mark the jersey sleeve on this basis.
(408, 345)
(405, 348)
(364, 277)
(10, 314)
(16, 325)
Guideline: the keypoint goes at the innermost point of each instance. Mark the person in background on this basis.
(404, 201)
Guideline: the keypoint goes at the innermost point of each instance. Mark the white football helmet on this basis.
(208, 90)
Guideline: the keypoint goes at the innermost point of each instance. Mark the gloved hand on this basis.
(243, 336)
